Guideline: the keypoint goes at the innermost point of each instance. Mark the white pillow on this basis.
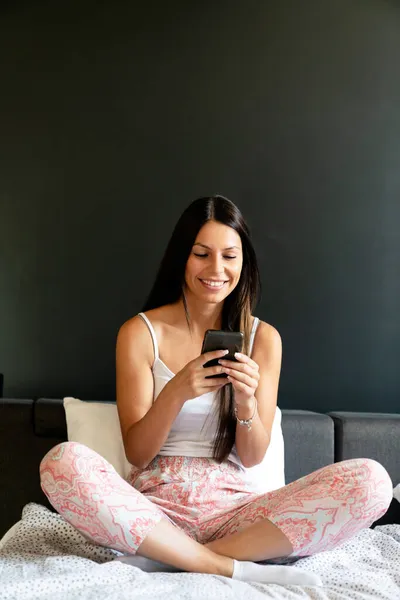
(96, 425)
(396, 492)
(269, 475)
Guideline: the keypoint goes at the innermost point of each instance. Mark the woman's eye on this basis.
(205, 255)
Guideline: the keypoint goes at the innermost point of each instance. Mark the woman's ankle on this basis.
(221, 565)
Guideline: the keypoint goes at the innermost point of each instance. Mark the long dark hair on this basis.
(169, 285)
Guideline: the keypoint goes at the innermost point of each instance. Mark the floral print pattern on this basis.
(208, 500)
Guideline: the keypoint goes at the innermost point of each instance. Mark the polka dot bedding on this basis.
(46, 558)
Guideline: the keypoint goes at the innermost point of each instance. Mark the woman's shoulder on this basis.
(266, 334)
(161, 314)
(134, 335)
(134, 329)
(136, 325)
(160, 318)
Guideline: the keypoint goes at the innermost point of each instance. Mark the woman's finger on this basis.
(209, 382)
(212, 371)
(243, 358)
(243, 367)
(204, 358)
(241, 387)
(215, 387)
(241, 377)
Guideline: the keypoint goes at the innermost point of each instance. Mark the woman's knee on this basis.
(370, 471)
(380, 478)
(56, 453)
(374, 481)
(59, 461)
(61, 453)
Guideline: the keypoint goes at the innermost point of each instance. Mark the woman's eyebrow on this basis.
(208, 248)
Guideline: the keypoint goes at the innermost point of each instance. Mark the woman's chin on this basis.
(213, 297)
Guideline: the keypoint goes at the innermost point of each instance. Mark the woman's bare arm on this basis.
(145, 424)
(252, 445)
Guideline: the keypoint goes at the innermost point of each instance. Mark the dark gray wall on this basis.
(114, 117)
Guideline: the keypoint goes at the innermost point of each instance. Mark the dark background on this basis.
(114, 116)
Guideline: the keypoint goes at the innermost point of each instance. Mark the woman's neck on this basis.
(201, 316)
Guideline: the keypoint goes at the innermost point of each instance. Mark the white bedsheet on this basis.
(45, 558)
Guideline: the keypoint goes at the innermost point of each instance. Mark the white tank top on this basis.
(193, 430)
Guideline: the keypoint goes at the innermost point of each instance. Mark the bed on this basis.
(43, 557)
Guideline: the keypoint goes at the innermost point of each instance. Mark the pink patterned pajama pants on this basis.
(208, 500)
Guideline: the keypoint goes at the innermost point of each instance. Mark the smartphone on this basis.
(216, 339)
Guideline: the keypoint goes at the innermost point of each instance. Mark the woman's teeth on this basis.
(214, 284)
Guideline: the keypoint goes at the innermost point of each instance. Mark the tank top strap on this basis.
(256, 323)
(152, 333)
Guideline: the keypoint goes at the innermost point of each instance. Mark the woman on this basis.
(192, 439)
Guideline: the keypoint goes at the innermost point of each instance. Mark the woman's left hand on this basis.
(244, 376)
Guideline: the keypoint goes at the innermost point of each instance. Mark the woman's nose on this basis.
(217, 264)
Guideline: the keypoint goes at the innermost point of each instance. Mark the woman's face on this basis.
(215, 263)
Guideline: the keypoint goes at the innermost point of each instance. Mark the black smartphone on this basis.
(216, 339)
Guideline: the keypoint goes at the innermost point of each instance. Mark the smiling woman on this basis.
(214, 282)
(191, 500)
(217, 267)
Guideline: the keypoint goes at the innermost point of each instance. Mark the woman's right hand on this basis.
(191, 381)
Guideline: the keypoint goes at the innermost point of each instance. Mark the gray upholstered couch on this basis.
(29, 428)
